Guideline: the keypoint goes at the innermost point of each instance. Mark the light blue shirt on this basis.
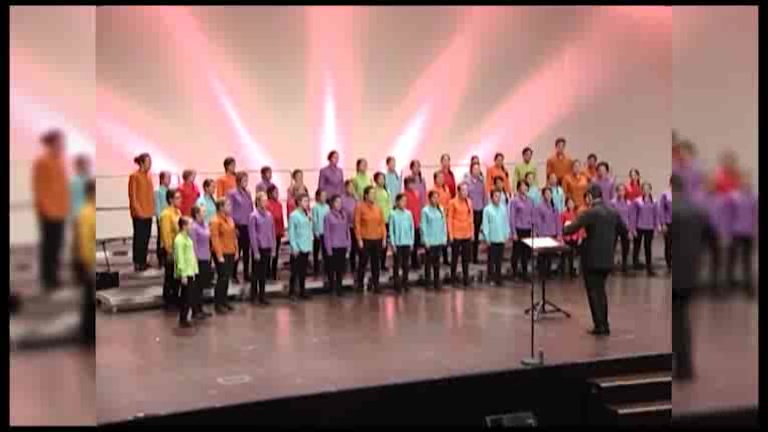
(559, 198)
(495, 226)
(401, 228)
(433, 229)
(534, 193)
(160, 201)
(77, 194)
(394, 184)
(210, 207)
(318, 217)
(300, 232)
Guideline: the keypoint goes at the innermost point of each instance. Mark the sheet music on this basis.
(541, 242)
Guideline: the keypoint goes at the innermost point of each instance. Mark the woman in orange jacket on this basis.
(461, 227)
(224, 242)
(141, 200)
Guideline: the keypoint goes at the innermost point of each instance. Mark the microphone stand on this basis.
(533, 360)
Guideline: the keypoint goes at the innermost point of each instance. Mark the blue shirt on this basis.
(300, 232)
(401, 228)
(394, 184)
(558, 196)
(210, 207)
(160, 201)
(318, 217)
(495, 226)
(534, 193)
(434, 232)
(77, 194)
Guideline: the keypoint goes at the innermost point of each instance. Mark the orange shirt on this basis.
(460, 219)
(575, 187)
(369, 222)
(223, 235)
(51, 187)
(494, 172)
(560, 164)
(224, 184)
(443, 196)
(590, 172)
(141, 195)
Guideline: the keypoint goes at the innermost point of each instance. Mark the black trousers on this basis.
(740, 248)
(594, 281)
(445, 255)
(170, 283)
(337, 264)
(384, 251)
(461, 248)
(187, 297)
(667, 248)
(569, 256)
(521, 253)
(432, 266)
(244, 254)
(142, 231)
(354, 250)
(371, 251)
(51, 242)
(401, 266)
(259, 279)
(415, 261)
(298, 282)
(273, 269)
(478, 219)
(544, 264)
(712, 244)
(624, 239)
(495, 257)
(318, 251)
(681, 336)
(158, 247)
(86, 279)
(646, 238)
(224, 271)
(203, 280)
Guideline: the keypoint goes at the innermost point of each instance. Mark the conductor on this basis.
(602, 224)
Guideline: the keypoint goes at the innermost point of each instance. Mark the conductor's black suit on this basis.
(601, 223)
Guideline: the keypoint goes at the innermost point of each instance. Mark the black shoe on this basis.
(305, 296)
(600, 332)
(293, 298)
(264, 302)
(221, 310)
(651, 273)
(229, 307)
(235, 279)
(185, 324)
(199, 316)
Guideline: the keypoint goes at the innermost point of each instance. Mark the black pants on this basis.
(354, 250)
(244, 254)
(298, 282)
(402, 265)
(478, 219)
(384, 251)
(667, 248)
(187, 298)
(318, 251)
(273, 269)
(432, 266)
(646, 237)
(415, 261)
(224, 270)
(569, 256)
(594, 281)
(259, 279)
(203, 280)
(371, 252)
(521, 254)
(337, 264)
(461, 248)
(445, 255)
(681, 336)
(712, 243)
(740, 248)
(544, 264)
(142, 231)
(170, 283)
(495, 257)
(86, 279)
(624, 239)
(159, 247)
(51, 242)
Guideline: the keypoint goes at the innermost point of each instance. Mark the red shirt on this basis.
(414, 205)
(726, 181)
(189, 195)
(634, 191)
(450, 181)
(569, 216)
(276, 209)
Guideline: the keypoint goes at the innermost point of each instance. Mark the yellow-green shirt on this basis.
(381, 198)
(361, 181)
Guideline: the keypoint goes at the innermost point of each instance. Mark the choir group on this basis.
(359, 219)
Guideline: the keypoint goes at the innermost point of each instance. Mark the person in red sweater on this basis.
(634, 185)
(450, 179)
(727, 177)
(189, 192)
(274, 207)
(573, 240)
(414, 204)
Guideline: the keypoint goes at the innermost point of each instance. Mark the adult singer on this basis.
(601, 223)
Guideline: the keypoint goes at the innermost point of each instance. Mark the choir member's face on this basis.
(633, 175)
(336, 204)
(322, 197)
(576, 167)
(522, 190)
(192, 178)
(463, 192)
(274, 195)
(474, 160)
(647, 189)
(496, 197)
(166, 181)
(440, 179)
(200, 215)
(621, 191)
(369, 196)
(380, 181)
(499, 185)
(362, 166)
(147, 165)
(591, 162)
(552, 180)
(560, 147)
(433, 199)
(244, 182)
(176, 200)
(416, 167)
(445, 161)
(570, 205)
(402, 202)
(231, 168)
(529, 179)
(391, 164)
(527, 156)
(350, 188)
(499, 160)
(475, 171)
(334, 159)
(601, 171)
(547, 195)
(268, 175)
(299, 178)
(304, 203)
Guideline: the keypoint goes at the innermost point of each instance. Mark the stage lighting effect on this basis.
(132, 144)
(405, 144)
(330, 134)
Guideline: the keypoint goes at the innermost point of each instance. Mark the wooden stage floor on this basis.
(146, 365)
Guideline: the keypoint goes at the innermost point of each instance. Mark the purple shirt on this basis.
(741, 208)
(665, 208)
(520, 214)
(608, 186)
(261, 231)
(692, 177)
(348, 204)
(643, 215)
(242, 205)
(201, 239)
(476, 189)
(331, 181)
(622, 208)
(263, 186)
(336, 231)
(547, 221)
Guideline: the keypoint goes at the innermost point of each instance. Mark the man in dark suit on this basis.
(687, 231)
(601, 223)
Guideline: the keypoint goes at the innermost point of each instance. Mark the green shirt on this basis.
(184, 256)
(521, 170)
(381, 198)
(361, 181)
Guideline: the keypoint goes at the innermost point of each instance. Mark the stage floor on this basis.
(147, 365)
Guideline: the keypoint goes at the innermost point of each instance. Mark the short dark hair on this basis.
(559, 140)
(431, 194)
(265, 169)
(138, 160)
(360, 161)
(595, 191)
(183, 221)
(296, 172)
(207, 182)
(333, 198)
(220, 203)
(409, 180)
(169, 194)
(163, 175)
(186, 174)
(592, 156)
(240, 175)
(390, 159)
(331, 153)
(51, 137)
(399, 197)
(195, 211)
(498, 155)
(604, 164)
(318, 193)
(520, 183)
(348, 182)
(527, 150)
(435, 174)
(228, 161)
(495, 191)
(367, 191)
(271, 190)
(378, 175)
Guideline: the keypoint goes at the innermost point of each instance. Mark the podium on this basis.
(545, 246)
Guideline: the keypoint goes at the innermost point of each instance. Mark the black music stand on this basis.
(539, 308)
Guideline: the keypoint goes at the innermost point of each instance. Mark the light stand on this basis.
(533, 360)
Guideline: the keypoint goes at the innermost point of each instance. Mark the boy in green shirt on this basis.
(525, 167)
(186, 270)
